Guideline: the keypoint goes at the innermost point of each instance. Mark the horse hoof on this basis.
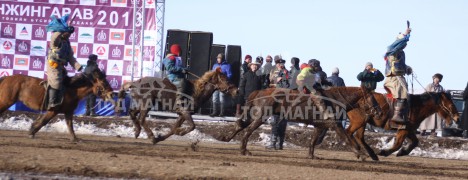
(31, 136)
(246, 153)
(315, 158)
(155, 140)
(383, 153)
(401, 153)
(75, 140)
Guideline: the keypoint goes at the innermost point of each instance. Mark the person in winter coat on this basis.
(433, 122)
(370, 76)
(395, 71)
(335, 78)
(245, 65)
(250, 82)
(176, 74)
(279, 77)
(218, 97)
(464, 117)
(60, 55)
(91, 65)
(295, 70)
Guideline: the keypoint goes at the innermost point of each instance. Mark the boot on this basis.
(238, 111)
(465, 134)
(54, 99)
(399, 111)
(215, 110)
(280, 142)
(272, 145)
(221, 109)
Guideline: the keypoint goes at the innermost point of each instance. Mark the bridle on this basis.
(442, 105)
(373, 108)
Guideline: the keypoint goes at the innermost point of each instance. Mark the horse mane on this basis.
(341, 89)
(199, 84)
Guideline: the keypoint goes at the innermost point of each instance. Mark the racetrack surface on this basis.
(119, 157)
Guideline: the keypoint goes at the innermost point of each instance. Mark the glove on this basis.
(53, 64)
(409, 70)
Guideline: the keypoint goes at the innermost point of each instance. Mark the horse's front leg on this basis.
(136, 124)
(414, 141)
(360, 139)
(400, 137)
(257, 122)
(142, 120)
(174, 129)
(350, 141)
(238, 127)
(69, 120)
(188, 118)
(42, 121)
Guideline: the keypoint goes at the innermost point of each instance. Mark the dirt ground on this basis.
(129, 158)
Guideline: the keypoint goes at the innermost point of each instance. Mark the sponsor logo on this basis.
(129, 52)
(72, 36)
(37, 64)
(147, 53)
(86, 35)
(84, 50)
(8, 31)
(24, 31)
(103, 1)
(115, 69)
(6, 62)
(37, 48)
(74, 49)
(130, 37)
(39, 33)
(101, 66)
(117, 36)
(116, 52)
(150, 1)
(102, 36)
(101, 50)
(23, 47)
(119, 1)
(21, 61)
(149, 38)
(4, 73)
(114, 83)
(7, 45)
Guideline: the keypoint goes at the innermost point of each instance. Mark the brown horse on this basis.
(298, 107)
(149, 91)
(30, 91)
(421, 107)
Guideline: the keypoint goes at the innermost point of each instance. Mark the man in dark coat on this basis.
(91, 65)
(250, 82)
(370, 76)
(464, 117)
(335, 78)
(295, 70)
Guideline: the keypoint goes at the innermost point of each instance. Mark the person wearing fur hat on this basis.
(250, 82)
(294, 72)
(279, 76)
(370, 76)
(395, 70)
(335, 78)
(433, 122)
(176, 71)
(218, 96)
(60, 55)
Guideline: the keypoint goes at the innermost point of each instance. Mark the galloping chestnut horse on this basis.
(149, 91)
(421, 107)
(300, 109)
(30, 91)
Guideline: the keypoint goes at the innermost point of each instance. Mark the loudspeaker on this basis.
(181, 37)
(215, 50)
(234, 57)
(198, 58)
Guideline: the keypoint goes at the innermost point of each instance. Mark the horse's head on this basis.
(101, 86)
(219, 81)
(447, 108)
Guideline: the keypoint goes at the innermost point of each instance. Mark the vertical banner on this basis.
(102, 27)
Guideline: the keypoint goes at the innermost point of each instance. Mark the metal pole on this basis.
(159, 53)
(142, 37)
(133, 38)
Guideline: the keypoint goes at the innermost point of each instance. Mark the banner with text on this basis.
(102, 27)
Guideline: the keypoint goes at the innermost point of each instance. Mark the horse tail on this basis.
(121, 96)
